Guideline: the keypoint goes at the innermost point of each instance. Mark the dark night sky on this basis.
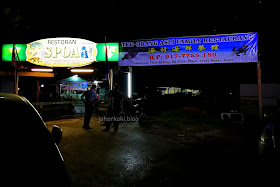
(148, 19)
(124, 21)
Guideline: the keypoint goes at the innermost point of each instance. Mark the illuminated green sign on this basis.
(112, 51)
(7, 50)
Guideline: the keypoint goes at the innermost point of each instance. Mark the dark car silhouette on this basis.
(29, 152)
(269, 143)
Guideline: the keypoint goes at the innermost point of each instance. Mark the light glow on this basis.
(42, 70)
(129, 85)
(17, 49)
(75, 77)
(82, 70)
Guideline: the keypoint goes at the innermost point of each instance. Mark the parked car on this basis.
(30, 155)
(269, 143)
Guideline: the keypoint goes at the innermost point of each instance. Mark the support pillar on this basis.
(111, 73)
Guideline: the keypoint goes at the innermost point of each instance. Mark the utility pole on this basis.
(108, 70)
(260, 90)
(259, 73)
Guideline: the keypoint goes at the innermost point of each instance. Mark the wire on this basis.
(15, 58)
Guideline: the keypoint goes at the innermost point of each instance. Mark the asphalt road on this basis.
(157, 156)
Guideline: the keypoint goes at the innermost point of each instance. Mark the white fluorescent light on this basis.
(82, 70)
(129, 85)
(42, 70)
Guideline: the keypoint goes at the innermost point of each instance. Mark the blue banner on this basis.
(74, 85)
(235, 48)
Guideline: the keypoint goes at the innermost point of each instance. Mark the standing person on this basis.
(89, 97)
(115, 108)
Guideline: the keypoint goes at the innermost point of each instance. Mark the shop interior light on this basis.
(75, 77)
(82, 70)
(42, 70)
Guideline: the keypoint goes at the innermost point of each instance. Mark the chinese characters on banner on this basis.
(235, 48)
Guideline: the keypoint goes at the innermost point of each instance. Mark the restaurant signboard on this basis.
(61, 52)
(233, 48)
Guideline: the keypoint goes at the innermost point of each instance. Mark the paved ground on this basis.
(155, 155)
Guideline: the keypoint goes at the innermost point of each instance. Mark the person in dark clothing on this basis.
(115, 109)
(89, 97)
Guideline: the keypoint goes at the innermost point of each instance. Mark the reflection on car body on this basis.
(31, 156)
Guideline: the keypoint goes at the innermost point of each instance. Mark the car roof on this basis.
(8, 98)
(14, 107)
(27, 146)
